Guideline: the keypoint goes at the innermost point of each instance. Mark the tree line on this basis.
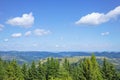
(52, 69)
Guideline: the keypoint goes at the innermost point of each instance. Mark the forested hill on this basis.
(52, 69)
(28, 56)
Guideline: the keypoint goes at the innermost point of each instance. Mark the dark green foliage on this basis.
(41, 72)
(77, 73)
(66, 65)
(2, 70)
(52, 68)
(13, 71)
(87, 69)
(25, 72)
(109, 72)
(95, 69)
(32, 72)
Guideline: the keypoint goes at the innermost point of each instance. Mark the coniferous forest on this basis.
(52, 69)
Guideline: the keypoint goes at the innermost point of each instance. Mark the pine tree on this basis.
(96, 73)
(32, 72)
(13, 71)
(89, 69)
(25, 71)
(2, 70)
(41, 72)
(10, 74)
(63, 74)
(78, 72)
(109, 71)
(52, 68)
(66, 65)
(56, 67)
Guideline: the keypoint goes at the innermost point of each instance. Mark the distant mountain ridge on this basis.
(28, 56)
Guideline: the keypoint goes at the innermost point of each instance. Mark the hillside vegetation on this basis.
(87, 69)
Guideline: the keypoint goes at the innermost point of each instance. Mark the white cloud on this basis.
(27, 20)
(40, 32)
(1, 27)
(105, 33)
(96, 18)
(6, 40)
(37, 32)
(16, 35)
(28, 33)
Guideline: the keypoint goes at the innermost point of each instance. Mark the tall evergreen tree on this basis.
(109, 72)
(66, 65)
(41, 72)
(32, 72)
(2, 69)
(89, 69)
(13, 71)
(96, 73)
(52, 68)
(25, 71)
(63, 74)
(77, 72)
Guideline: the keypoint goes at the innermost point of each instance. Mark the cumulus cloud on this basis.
(37, 32)
(96, 18)
(40, 32)
(1, 27)
(105, 33)
(16, 35)
(27, 20)
(28, 33)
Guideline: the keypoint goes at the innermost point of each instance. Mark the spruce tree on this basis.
(13, 71)
(52, 68)
(77, 72)
(2, 69)
(64, 74)
(32, 72)
(109, 72)
(66, 65)
(96, 73)
(25, 71)
(89, 69)
(41, 72)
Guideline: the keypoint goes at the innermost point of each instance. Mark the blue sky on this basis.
(60, 25)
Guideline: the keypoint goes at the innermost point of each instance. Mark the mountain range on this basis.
(28, 56)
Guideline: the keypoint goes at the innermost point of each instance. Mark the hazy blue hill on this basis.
(28, 56)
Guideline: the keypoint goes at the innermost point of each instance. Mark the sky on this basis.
(59, 25)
